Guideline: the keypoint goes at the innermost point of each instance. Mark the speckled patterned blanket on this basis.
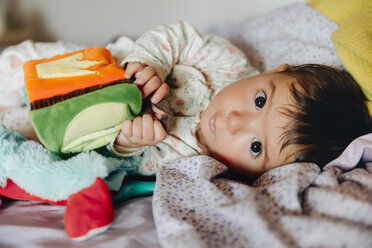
(295, 205)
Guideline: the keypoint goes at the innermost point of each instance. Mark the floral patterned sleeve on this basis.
(167, 45)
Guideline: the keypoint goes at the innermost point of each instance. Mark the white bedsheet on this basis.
(33, 224)
(294, 34)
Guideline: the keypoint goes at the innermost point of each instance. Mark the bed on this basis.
(196, 204)
(35, 224)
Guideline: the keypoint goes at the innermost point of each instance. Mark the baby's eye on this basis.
(256, 147)
(260, 100)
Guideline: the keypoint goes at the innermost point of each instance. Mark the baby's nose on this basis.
(239, 122)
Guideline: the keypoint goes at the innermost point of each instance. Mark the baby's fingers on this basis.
(125, 135)
(162, 92)
(159, 132)
(158, 112)
(132, 68)
(148, 129)
(126, 128)
(145, 75)
(153, 84)
(137, 130)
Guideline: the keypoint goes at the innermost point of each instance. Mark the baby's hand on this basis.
(147, 80)
(142, 131)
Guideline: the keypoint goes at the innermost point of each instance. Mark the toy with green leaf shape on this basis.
(78, 102)
(83, 95)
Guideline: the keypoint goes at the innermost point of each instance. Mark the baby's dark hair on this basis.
(329, 113)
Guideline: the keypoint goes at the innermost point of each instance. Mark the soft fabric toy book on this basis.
(79, 100)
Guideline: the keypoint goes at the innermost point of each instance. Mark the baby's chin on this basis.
(200, 138)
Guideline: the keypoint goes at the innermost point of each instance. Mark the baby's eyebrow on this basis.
(269, 101)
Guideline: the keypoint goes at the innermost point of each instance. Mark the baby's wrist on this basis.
(122, 151)
(126, 144)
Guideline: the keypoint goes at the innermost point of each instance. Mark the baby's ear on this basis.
(279, 68)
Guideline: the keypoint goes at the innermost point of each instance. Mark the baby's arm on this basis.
(165, 46)
(217, 59)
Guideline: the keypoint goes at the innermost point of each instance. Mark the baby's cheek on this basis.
(223, 159)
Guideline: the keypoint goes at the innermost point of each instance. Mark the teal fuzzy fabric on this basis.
(45, 174)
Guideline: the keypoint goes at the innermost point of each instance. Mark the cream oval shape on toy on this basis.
(99, 123)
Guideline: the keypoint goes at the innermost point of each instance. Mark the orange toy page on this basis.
(69, 72)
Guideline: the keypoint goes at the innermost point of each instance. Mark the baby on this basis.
(251, 122)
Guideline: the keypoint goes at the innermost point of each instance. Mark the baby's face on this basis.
(243, 125)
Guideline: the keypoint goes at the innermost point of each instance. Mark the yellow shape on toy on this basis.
(71, 66)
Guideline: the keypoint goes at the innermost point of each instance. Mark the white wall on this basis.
(97, 21)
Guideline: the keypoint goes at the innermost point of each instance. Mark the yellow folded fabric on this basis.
(353, 38)
(339, 10)
(353, 43)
